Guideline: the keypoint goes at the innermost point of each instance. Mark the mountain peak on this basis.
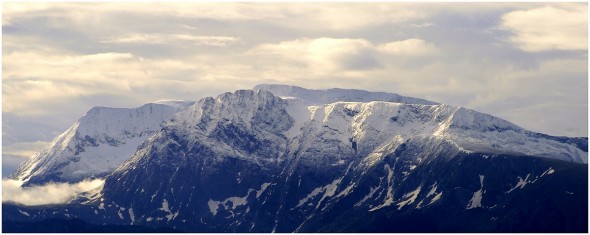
(337, 94)
(174, 103)
(97, 143)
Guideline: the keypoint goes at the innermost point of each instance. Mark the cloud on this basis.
(92, 12)
(422, 25)
(33, 80)
(551, 92)
(51, 193)
(24, 149)
(329, 55)
(330, 15)
(563, 27)
(323, 54)
(409, 47)
(315, 16)
(175, 39)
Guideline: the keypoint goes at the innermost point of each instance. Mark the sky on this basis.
(524, 62)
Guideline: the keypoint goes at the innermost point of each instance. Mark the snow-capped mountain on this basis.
(288, 159)
(471, 130)
(97, 143)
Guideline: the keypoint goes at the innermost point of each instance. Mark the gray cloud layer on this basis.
(524, 62)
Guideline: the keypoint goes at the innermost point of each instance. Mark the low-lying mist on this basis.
(51, 193)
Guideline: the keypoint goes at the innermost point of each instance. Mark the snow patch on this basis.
(131, 215)
(328, 190)
(262, 189)
(520, 184)
(313, 193)
(431, 193)
(235, 201)
(346, 191)
(432, 190)
(410, 198)
(23, 212)
(436, 198)
(371, 193)
(339, 162)
(165, 207)
(475, 201)
(389, 198)
(548, 172)
(213, 206)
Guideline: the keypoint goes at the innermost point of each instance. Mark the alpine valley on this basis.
(281, 158)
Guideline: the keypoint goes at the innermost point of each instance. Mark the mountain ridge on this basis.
(337, 94)
(252, 161)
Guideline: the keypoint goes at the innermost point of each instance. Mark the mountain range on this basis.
(281, 158)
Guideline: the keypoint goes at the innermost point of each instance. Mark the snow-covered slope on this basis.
(97, 143)
(261, 128)
(379, 119)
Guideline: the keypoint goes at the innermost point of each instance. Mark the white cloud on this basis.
(34, 79)
(24, 149)
(549, 28)
(322, 54)
(422, 25)
(25, 97)
(90, 12)
(409, 47)
(567, 79)
(336, 16)
(316, 16)
(51, 193)
(329, 55)
(184, 40)
(13, 10)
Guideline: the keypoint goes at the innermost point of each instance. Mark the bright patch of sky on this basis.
(524, 62)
